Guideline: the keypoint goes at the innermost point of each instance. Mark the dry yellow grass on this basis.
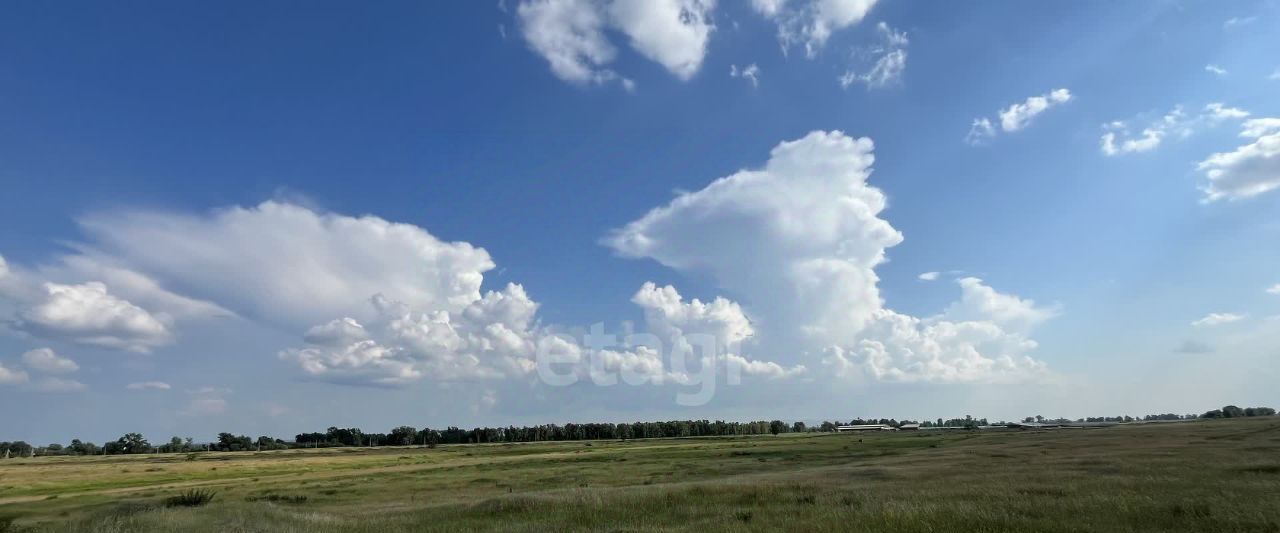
(1221, 475)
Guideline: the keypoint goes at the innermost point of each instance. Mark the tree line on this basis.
(135, 443)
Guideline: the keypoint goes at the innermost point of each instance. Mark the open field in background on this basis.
(1198, 476)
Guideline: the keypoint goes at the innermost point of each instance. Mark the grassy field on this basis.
(1201, 476)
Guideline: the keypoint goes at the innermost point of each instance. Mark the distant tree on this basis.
(402, 436)
(175, 445)
(15, 449)
(130, 443)
(264, 442)
(798, 427)
(82, 448)
(1216, 413)
(777, 426)
(229, 442)
(1232, 411)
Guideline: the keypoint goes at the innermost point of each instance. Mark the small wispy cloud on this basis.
(980, 132)
(59, 385)
(1275, 289)
(145, 385)
(928, 276)
(1119, 137)
(1215, 70)
(1017, 116)
(1194, 347)
(750, 73)
(1238, 21)
(890, 61)
(1217, 319)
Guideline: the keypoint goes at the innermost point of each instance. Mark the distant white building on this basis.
(866, 427)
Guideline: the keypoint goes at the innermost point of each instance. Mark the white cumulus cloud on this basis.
(799, 239)
(672, 33)
(88, 314)
(979, 302)
(571, 35)
(1249, 170)
(9, 376)
(1019, 115)
(492, 337)
(928, 276)
(47, 361)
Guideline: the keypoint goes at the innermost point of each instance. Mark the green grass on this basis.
(1202, 476)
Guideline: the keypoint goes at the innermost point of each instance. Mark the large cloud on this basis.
(289, 264)
(1250, 169)
(497, 337)
(720, 321)
(86, 299)
(88, 314)
(673, 33)
(492, 337)
(803, 234)
(570, 34)
(799, 240)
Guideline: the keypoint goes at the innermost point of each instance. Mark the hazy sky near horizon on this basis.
(275, 218)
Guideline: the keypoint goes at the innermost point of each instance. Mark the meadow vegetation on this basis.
(1214, 475)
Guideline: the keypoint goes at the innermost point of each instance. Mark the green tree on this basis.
(132, 443)
(777, 426)
(402, 436)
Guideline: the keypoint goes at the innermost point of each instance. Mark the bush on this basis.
(191, 498)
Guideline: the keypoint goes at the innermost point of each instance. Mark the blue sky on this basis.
(183, 186)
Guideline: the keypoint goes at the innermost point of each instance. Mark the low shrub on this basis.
(190, 498)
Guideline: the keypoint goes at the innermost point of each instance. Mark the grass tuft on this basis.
(190, 498)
